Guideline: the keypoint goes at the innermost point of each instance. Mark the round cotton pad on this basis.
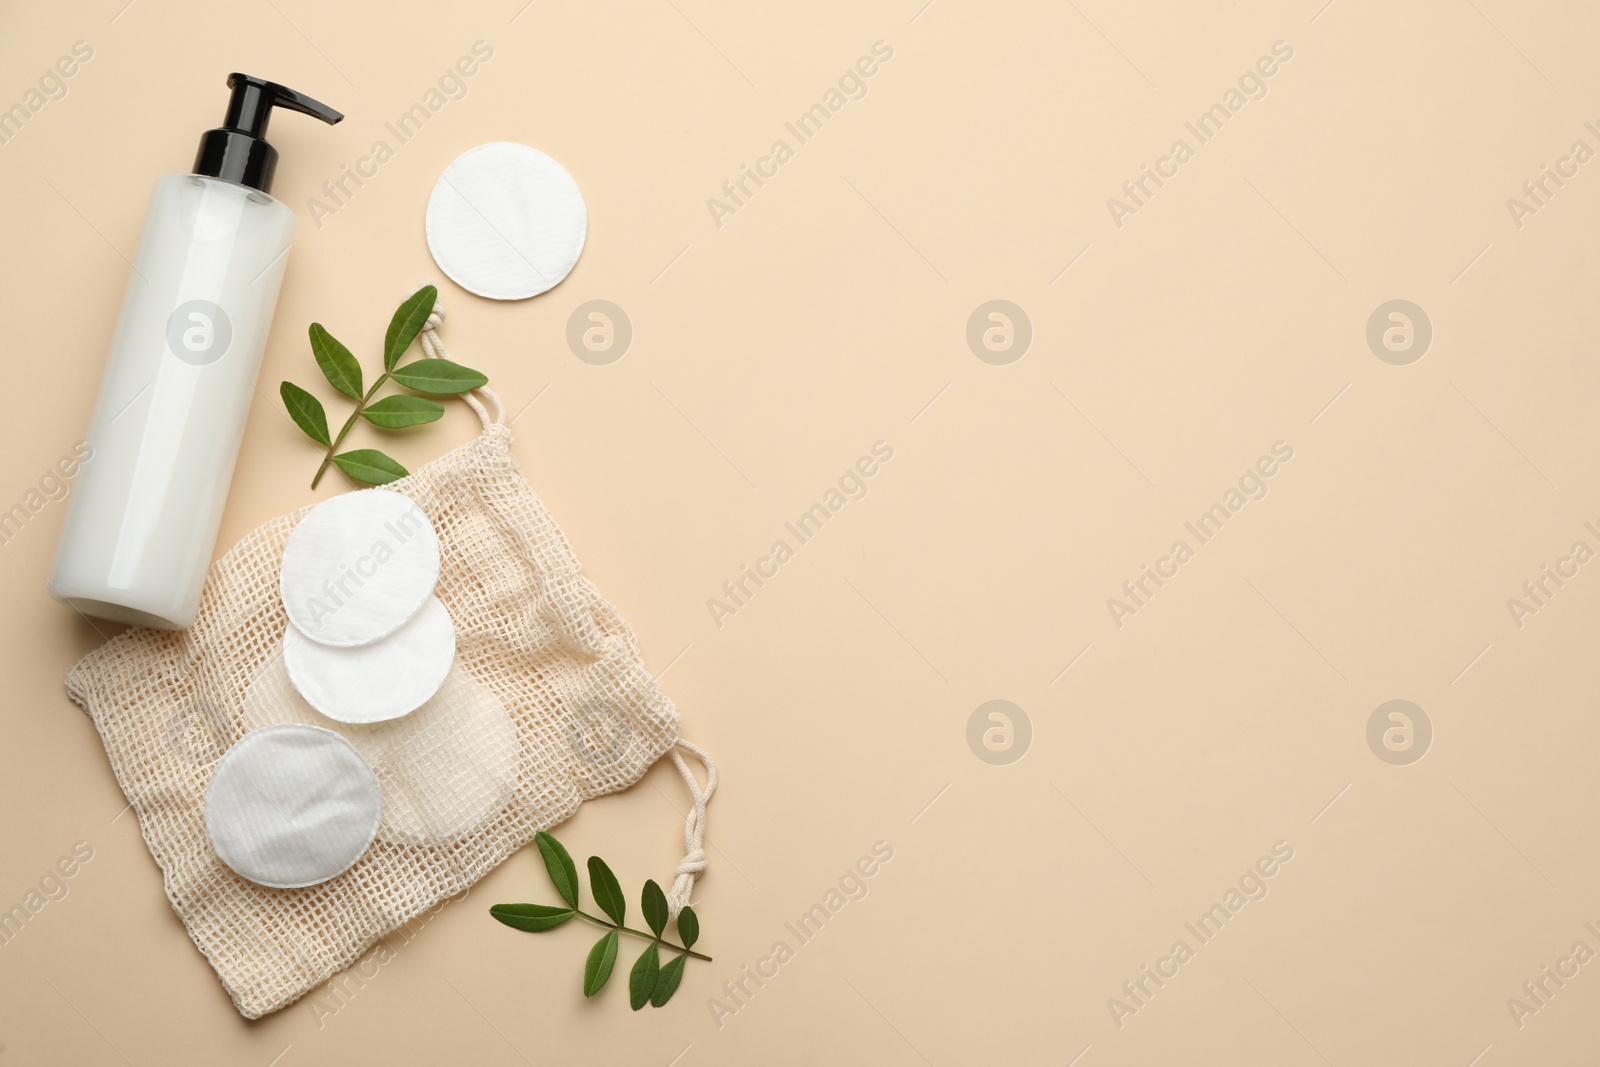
(383, 680)
(506, 221)
(290, 806)
(358, 567)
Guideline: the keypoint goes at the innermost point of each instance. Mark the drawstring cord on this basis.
(694, 825)
(433, 348)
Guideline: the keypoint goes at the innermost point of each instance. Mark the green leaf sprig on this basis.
(648, 981)
(435, 377)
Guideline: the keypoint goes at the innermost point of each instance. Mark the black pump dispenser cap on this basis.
(238, 152)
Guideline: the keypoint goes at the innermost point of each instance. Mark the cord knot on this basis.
(694, 826)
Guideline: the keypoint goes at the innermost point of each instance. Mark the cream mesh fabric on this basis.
(534, 638)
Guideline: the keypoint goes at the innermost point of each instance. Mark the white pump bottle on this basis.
(166, 429)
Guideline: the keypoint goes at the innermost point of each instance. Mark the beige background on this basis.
(829, 312)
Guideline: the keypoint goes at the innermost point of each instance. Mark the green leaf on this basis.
(563, 872)
(533, 918)
(688, 926)
(642, 979)
(395, 412)
(597, 968)
(654, 904)
(306, 411)
(607, 893)
(667, 981)
(438, 377)
(370, 466)
(338, 365)
(408, 321)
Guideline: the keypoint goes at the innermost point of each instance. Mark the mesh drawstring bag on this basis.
(547, 705)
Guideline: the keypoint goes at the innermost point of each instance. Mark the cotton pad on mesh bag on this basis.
(538, 649)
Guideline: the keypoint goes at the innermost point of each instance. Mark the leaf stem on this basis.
(609, 925)
(346, 428)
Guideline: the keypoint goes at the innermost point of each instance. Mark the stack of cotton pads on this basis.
(368, 640)
(293, 804)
